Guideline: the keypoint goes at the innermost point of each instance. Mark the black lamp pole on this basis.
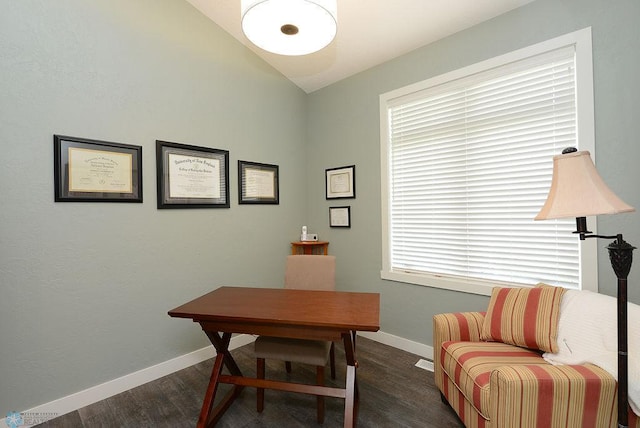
(621, 256)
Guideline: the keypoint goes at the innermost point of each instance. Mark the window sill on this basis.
(461, 284)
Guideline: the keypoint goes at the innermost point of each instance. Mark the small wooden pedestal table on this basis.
(307, 314)
(310, 247)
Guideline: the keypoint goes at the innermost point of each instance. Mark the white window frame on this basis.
(581, 40)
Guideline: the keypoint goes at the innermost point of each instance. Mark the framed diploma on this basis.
(340, 216)
(341, 182)
(257, 183)
(191, 176)
(96, 171)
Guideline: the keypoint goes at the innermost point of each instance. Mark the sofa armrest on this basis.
(546, 395)
(458, 326)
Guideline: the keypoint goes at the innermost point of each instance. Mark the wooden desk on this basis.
(325, 315)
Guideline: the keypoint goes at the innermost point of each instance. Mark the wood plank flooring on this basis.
(393, 393)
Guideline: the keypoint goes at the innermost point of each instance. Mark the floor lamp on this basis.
(577, 190)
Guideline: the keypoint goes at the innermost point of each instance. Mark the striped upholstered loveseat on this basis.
(489, 367)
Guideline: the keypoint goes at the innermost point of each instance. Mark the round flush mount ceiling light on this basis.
(289, 27)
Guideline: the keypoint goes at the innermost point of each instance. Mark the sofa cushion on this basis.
(469, 366)
(526, 317)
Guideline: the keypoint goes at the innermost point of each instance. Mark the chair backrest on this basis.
(310, 272)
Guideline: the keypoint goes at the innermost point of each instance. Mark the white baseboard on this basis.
(108, 389)
(406, 345)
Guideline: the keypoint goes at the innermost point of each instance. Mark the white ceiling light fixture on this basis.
(290, 27)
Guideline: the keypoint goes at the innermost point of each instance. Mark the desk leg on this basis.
(223, 358)
(351, 399)
(210, 395)
(221, 343)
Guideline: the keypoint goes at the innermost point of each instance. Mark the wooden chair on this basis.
(309, 272)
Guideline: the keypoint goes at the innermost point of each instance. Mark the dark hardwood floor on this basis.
(393, 393)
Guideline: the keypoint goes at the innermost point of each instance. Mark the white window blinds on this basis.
(469, 166)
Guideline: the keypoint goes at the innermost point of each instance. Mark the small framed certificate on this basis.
(340, 216)
(96, 171)
(341, 182)
(257, 183)
(191, 176)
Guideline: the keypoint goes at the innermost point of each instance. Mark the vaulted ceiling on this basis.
(370, 32)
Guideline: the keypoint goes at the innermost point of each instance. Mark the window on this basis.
(467, 164)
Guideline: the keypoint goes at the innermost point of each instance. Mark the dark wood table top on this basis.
(321, 309)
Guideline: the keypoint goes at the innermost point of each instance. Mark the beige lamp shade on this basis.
(577, 190)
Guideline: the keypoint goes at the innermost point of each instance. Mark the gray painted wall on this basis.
(85, 287)
(344, 130)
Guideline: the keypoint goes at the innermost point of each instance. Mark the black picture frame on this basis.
(191, 176)
(340, 183)
(340, 216)
(87, 170)
(258, 183)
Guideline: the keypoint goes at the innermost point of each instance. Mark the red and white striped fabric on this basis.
(526, 317)
(492, 384)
